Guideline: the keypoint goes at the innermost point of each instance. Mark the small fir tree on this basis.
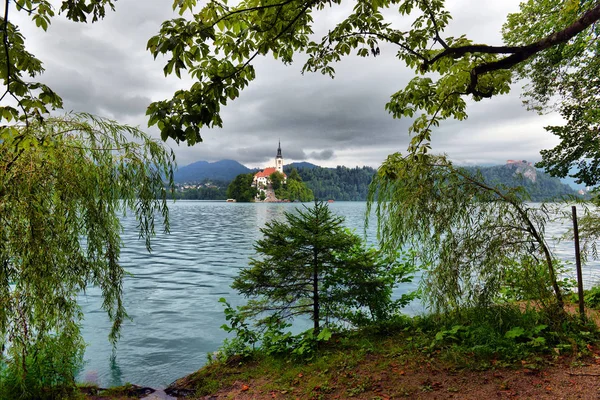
(311, 265)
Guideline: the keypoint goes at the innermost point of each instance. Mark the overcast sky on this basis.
(103, 68)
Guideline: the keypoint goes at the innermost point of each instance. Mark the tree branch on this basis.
(243, 10)
(387, 39)
(5, 43)
(518, 54)
(435, 26)
(257, 52)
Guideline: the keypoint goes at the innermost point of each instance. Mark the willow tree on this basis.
(470, 234)
(64, 184)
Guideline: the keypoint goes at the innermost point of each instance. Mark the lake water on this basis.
(172, 294)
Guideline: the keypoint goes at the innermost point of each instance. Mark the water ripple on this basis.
(173, 292)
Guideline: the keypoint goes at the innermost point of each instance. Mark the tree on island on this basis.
(276, 179)
(294, 189)
(241, 188)
(311, 265)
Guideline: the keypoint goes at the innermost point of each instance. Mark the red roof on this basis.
(265, 173)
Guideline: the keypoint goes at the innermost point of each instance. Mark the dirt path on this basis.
(561, 381)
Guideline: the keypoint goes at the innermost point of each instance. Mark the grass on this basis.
(362, 363)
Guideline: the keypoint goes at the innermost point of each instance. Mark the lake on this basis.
(172, 294)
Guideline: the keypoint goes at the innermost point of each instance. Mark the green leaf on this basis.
(515, 332)
(324, 335)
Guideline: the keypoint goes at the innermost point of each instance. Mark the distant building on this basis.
(521, 163)
(261, 178)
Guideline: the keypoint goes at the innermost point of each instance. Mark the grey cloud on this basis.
(104, 68)
(82, 93)
(322, 155)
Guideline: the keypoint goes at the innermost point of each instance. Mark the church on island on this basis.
(261, 179)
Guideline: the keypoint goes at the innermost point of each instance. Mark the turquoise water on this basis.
(172, 294)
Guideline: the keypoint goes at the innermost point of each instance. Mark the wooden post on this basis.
(578, 264)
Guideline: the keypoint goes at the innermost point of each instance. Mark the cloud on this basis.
(322, 155)
(104, 68)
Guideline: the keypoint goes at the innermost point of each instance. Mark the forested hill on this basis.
(539, 185)
(340, 183)
(352, 184)
(224, 170)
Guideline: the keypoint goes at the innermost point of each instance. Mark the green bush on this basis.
(592, 297)
(48, 370)
(504, 333)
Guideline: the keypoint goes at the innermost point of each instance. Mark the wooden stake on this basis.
(578, 264)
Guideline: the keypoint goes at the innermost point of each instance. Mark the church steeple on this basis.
(279, 159)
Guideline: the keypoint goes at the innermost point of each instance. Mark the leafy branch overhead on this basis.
(34, 99)
(218, 45)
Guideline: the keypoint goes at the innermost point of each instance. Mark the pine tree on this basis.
(311, 265)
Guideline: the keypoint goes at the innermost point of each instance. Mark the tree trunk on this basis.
(315, 292)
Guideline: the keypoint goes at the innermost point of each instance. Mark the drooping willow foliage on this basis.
(474, 237)
(64, 183)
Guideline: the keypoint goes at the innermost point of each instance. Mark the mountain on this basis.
(340, 183)
(224, 170)
(302, 164)
(539, 185)
(343, 183)
(571, 182)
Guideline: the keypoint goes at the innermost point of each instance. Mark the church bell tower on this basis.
(279, 159)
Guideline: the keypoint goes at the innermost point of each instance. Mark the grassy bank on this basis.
(500, 350)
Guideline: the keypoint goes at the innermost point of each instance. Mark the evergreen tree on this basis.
(294, 175)
(311, 265)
